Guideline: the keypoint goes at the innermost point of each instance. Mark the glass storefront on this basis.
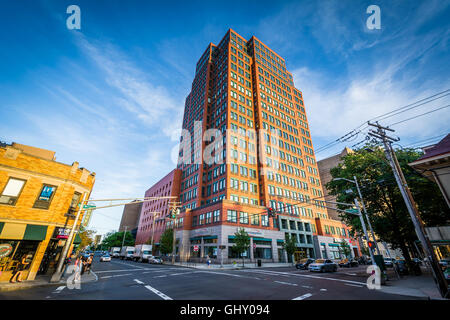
(16, 250)
(263, 253)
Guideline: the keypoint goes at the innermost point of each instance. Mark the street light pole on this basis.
(364, 229)
(57, 275)
(367, 216)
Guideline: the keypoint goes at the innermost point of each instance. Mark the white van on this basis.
(142, 252)
(127, 253)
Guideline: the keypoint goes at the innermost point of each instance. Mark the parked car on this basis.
(323, 265)
(417, 260)
(346, 263)
(155, 260)
(304, 263)
(105, 257)
(389, 262)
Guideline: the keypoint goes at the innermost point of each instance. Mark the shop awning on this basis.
(333, 245)
(231, 237)
(209, 237)
(262, 239)
(280, 241)
(13, 231)
(77, 239)
(35, 232)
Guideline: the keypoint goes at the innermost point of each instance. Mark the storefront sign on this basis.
(195, 248)
(61, 233)
(5, 250)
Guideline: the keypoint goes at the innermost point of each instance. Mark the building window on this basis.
(45, 197)
(216, 216)
(12, 191)
(232, 216)
(255, 219)
(264, 221)
(243, 217)
(208, 217)
(75, 200)
(194, 221)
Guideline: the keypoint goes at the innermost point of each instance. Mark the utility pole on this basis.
(175, 212)
(411, 206)
(124, 233)
(155, 214)
(57, 275)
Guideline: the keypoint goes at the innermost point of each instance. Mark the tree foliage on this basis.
(290, 245)
(87, 237)
(345, 248)
(241, 242)
(114, 239)
(166, 241)
(385, 205)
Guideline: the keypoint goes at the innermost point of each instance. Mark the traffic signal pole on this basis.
(58, 273)
(411, 206)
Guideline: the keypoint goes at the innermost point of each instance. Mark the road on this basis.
(129, 280)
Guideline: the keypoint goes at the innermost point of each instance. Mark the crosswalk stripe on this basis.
(305, 296)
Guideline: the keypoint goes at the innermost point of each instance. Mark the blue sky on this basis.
(111, 95)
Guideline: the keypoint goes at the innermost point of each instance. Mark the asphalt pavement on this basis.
(129, 280)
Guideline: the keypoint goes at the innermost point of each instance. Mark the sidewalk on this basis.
(44, 280)
(415, 286)
(238, 265)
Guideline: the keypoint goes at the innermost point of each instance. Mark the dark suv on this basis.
(304, 263)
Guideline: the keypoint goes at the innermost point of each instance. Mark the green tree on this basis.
(87, 237)
(385, 205)
(114, 239)
(345, 248)
(241, 242)
(166, 241)
(290, 245)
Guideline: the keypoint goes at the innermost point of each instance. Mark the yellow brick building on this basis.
(38, 203)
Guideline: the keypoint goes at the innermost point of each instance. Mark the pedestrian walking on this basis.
(89, 263)
(24, 261)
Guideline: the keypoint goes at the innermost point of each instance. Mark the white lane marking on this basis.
(307, 295)
(289, 284)
(138, 281)
(123, 270)
(351, 274)
(323, 289)
(354, 285)
(59, 289)
(304, 275)
(162, 295)
(116, 275)
(308, 287)
(228, 274)
(163, 276)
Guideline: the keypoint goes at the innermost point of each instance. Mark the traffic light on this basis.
(371, 245)
(271, 212)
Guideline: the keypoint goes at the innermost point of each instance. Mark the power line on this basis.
(420, 115)
(386, 115)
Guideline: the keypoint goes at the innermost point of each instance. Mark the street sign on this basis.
(254, 246)
(195, 248)
(88, 206)
(355, 211)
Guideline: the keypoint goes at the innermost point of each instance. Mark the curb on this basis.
(31, 284)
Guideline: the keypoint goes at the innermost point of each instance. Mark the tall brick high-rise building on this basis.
(246, 146)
